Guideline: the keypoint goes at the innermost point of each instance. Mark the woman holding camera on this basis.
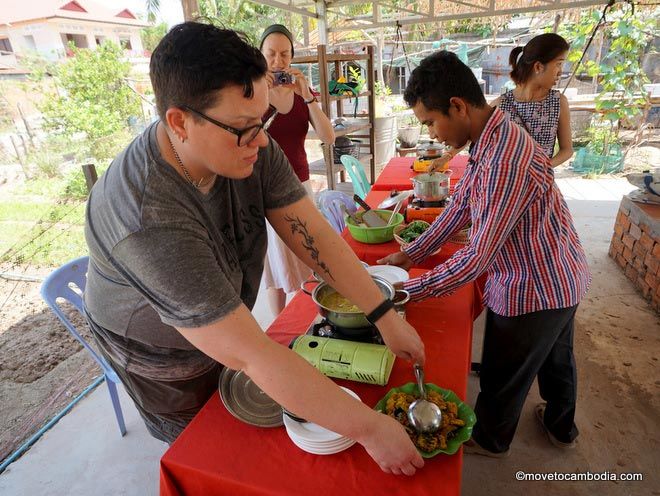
(296, 107)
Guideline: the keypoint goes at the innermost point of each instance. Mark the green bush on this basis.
(46, 159)
(93, 100)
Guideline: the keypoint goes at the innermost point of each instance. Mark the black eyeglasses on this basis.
(246, 135)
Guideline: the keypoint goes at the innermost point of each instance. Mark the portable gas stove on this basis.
(324, 329)
(424, 210)
(360, 356)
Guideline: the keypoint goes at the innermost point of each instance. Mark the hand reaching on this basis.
(400, 259)
(401, 338)
(391, 448)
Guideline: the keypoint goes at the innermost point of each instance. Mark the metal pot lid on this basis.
(246, 401)
(432, 177)
(393, 200)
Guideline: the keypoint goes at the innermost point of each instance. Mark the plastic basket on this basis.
(353, 150)
(586, 162)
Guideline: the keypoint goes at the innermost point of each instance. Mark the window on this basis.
(79, 40)
(5, 46)
(125, 43)
(29, 42)
(99, 39)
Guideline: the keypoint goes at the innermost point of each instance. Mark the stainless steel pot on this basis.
(352, 320)
(431, 187)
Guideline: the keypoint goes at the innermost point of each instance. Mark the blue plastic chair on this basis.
(355, 171)
(330, 202)
(68, 282)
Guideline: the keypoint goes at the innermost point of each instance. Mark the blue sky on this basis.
(170, 10)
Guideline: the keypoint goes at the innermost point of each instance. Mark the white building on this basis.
(46, 27)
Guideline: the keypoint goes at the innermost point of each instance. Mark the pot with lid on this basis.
(431, 186)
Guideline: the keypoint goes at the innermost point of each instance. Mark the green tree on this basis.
(93, 99)
(248, 17)
(619, 72)
(152, 35)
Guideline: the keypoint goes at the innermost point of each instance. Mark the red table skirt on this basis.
(398, 171)
(218, 454)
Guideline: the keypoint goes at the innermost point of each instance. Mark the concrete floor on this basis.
(84, 454)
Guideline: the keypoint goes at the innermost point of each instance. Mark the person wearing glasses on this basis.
(295, 106)
(176, 229)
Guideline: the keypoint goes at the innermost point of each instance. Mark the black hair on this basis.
(194, 61)
(542, 48)
(438, 78)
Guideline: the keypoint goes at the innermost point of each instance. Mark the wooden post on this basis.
(325, 104)
(26, 124)
(25, 148)
(372, 112)
(555, 26)
(21, 158)
(89, 171)
(599, 55)
(190, 9)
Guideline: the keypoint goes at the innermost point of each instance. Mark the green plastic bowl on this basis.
(465, 413)
(374, 235)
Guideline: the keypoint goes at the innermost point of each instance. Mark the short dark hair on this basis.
(543, 48)
(194, 61)
(438, 78)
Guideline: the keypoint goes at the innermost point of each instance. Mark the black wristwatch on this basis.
(380, 310)
(312, 100)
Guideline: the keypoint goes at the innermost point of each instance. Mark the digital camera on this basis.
(281, 77)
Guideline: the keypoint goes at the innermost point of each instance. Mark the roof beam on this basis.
(365, 22)
(289, 6)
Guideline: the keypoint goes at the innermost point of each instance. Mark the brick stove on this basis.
(635, 247)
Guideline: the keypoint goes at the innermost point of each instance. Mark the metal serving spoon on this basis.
(423, 415)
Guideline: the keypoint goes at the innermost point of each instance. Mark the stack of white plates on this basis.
(315, 439)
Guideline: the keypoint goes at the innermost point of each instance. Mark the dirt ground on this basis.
(617, 348)
(42, 368)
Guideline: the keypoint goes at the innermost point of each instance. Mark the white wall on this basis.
(48, 39)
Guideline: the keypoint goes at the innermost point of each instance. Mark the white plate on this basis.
(319, 446)
(390, 273)
(311, 433)
(324, 451)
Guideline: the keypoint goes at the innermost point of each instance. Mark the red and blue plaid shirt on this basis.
(522, 232)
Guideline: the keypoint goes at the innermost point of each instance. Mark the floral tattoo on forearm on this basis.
(300, 227)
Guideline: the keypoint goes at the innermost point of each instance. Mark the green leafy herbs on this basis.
(413, 230)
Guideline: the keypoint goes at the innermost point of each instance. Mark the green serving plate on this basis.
(465, 413)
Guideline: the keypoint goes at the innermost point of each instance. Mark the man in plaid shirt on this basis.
(522, 236)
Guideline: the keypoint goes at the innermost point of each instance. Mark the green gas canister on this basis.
(361, 362)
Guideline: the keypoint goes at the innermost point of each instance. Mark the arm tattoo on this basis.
(300, 227)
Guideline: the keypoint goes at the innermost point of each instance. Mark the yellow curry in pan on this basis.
(337, 303)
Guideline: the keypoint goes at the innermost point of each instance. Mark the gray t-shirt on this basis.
(162, 254)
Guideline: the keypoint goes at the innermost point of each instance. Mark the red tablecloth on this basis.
(218, 454)
(398, 171)
(370, 253)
